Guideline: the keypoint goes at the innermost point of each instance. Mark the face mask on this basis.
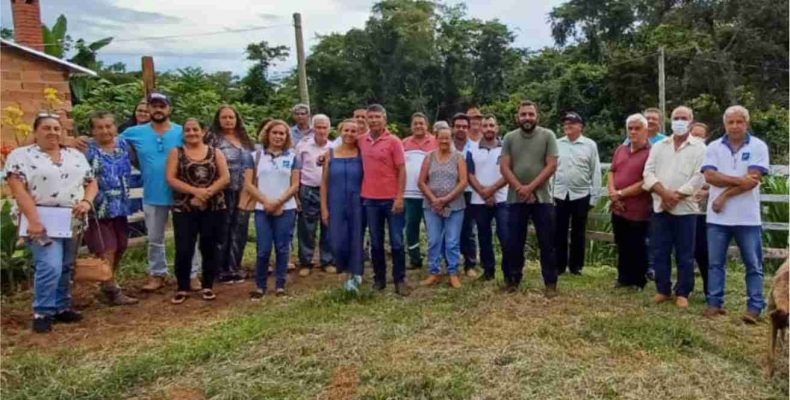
(680, 127)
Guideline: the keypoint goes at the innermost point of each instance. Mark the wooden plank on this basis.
(149, 75)
(768, 226)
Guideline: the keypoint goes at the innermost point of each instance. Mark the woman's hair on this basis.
(342, 123)
(197, 121)
(41, 117)
(241, 131)
(101, 114)
(132, 121)
(264, 133)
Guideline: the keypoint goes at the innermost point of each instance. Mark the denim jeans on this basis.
(54, 265)
(483, 216)
(749, 241)
(444, 233)
(273, 232)
(701, 250)
(468, 239)
(542, 216)
(155, 223)
(308, 221)
(379, 213)
(673, 232)
(414, 217)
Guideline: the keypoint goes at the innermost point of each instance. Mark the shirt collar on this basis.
(482, 145)
(580, 139)
(385, 134)
(725, 140)
(284, 153)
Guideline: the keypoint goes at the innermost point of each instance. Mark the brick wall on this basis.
(23, 78)
(27, 23)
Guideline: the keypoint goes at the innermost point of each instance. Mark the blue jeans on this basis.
(379, 213)
(155, 223)
(750, 244)
(483, 216)
(673, 232)
(52, 280)
(273, 232)
(444, 233)
(468, 239)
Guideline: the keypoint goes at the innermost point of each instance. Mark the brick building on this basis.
(25, 70)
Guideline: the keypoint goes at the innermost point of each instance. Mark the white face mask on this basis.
(679, 126)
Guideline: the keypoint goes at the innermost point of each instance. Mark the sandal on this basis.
(257, 295)
(179, 298)
(208, 294)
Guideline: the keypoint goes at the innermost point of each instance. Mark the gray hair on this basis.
(377, 108)
(300, 106)
(321, 117)
(636, 118)
(678, 108)
(736, 110)
(440, 125)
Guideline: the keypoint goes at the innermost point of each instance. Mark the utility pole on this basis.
(149, 75)
(304, 95)
(662, 93)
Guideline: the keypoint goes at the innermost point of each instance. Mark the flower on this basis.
(51, 96)
(6, 149)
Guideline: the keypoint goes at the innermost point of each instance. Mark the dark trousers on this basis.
(673, 232)
(414, 217)
(201, 227)
(483, 216)
(542, 216)
(308, 222)
(234, 239)
(701, 249)
(571, 213)
(379, 214)
(630, 238)
(468, 239)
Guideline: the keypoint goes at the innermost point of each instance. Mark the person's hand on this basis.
(618, 206)
(718, 204)
(397, 205)
(197, 203)
(748, 182)
(35, 229)
(201, 194)
(525, 193)
(670, 200)
(81, 209)
(486, 193)
(324, 216)
(80, 143)
(491, 201)
(615, 195)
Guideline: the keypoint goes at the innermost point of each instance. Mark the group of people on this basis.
(460, 178)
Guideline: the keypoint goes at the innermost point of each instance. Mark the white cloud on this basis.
(128, 20)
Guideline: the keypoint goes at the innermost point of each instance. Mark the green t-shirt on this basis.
(528, 153)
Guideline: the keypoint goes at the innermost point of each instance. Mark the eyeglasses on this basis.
(160, 145)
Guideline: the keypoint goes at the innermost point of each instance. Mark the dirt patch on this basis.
(344, 384)
(106, 326)
(179, 393)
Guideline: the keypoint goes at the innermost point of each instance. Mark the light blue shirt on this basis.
(578, 170)
(152, 150)
(743, 209)
(297, 135)
(653, 140)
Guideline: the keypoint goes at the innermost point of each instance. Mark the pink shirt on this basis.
(380, 161)
(308, 153)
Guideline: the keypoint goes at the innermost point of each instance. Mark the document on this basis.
(56, 220)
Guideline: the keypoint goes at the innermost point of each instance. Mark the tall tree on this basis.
(257, 87)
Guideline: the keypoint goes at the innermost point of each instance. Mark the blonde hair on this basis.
(264, 133)
(343, 122)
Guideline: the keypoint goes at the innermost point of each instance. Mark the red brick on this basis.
(55, 76)
(11, 76)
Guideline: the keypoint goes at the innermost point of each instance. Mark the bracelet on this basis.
(90, 203)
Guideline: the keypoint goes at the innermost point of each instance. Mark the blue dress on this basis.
(345, 212)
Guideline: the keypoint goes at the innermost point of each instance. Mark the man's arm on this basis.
(596, 177)
(546, 173)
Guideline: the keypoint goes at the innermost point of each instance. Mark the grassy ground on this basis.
(591, 342)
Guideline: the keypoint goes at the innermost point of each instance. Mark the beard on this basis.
(159, 118)
(528, 126)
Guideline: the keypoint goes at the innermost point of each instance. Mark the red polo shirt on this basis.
(627, 168)
(380, 161)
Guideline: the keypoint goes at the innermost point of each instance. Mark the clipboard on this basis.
(56, 220)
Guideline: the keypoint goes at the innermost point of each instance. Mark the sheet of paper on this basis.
(56, 220)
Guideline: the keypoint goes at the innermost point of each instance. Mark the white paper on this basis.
(56, 220)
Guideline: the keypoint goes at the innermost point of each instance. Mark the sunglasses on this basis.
(160, 145)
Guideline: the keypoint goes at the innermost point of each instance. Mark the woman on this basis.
(110, 159)
(700, 131)
(443, 180)
(341, 204)
(631, 206)
(139, 117)
(273, 183)
(45, 177)
(197, 173)
(229, 136)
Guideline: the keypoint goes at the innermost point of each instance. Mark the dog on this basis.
(778, 310)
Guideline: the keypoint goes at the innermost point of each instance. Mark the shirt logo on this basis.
(286, 163)
(745, 156)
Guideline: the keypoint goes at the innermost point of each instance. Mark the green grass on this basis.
(436, 344)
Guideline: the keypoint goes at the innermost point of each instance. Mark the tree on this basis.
(56, 41)
(257, 88)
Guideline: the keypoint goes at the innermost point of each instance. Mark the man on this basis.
(415, 147)
(153, 142)
(383, 187)
(529, 159)
(672, 174)
(361, 116)
(576, 186)
(655, 124)
(301, 129)
(460, 126)
(734, 166)
(489, 199)
(310, 152)
(475, 124)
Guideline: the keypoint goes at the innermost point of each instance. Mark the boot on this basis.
(431, 280)
(115, 297)
(455, 281)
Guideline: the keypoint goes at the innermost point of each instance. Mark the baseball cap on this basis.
(572, 117)
(157, 96)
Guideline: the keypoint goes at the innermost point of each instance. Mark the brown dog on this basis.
(778, 310)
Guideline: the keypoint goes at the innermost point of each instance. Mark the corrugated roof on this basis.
(73, 67)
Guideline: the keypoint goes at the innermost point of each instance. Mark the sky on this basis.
(133, 24)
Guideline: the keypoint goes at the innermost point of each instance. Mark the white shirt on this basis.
(676, 171)
(483, 163)
(50, 184)
(578, 170)
(743, 209)
(274, 176)
(468, 147)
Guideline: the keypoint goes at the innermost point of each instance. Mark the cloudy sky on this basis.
(133, 24)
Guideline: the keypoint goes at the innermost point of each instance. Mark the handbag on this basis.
(90, 268)
(246, 200)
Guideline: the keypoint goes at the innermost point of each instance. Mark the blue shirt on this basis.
(152, 150)
(653, 140)
(112, 170)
